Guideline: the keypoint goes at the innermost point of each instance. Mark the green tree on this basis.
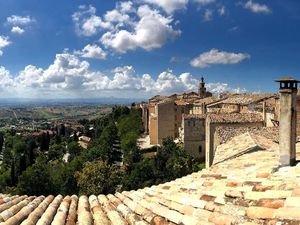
(142, 175)
(56, 152)
(1, 141)
(13, 173)
(98, 177)
(73, 149)
(131, 153)
(36, 180)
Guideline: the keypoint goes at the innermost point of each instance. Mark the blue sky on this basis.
(140, 48)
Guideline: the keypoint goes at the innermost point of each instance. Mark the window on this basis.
(200, 149)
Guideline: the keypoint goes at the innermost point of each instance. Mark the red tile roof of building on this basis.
(245, 187)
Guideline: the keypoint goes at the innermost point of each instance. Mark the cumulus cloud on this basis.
(169, 5)
(68, 76)
(19, 20)
(116, 16)
(19, 23)
(92, 51)
(125, 7)
(17, 30)
(4, 42)
(31, 76)
(6, 79)
(152, 31)
(126, 27)
(87, 23)
(214, 56)
(218, 88)
(257, 8)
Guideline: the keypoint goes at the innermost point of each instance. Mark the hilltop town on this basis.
(201, 121)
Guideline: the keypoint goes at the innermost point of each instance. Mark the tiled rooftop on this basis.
(245, 188)
(235, 117)
(246, 99)
(225, 134)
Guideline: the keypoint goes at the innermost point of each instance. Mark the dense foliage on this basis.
(112, 161)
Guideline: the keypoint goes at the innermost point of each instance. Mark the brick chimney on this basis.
(287, 121)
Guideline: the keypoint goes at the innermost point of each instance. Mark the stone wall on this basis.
(298, 116)
(212, 140)
(194, 137)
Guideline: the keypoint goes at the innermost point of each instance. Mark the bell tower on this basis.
(202, 89)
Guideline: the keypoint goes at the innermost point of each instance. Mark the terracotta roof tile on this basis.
(245, 188)
(234, 117)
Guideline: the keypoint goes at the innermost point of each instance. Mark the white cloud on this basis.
(169, 5)
(17, 30)
(92, 51)
(69, 77)
(218, 88)
(116, 16)
(214, 56)
(204, 2)
(126, 7)
(208, 15)
(257, 8)
(152, 31)
(87, 23)
(31, 76)
(125, 27)
(222, 11)
(4, 42)
(19, 20)
(6, 80)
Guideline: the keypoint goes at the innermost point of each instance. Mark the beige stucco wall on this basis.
(153, 126)
(165, 121)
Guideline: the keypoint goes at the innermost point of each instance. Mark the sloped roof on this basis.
(245, 99)
(225, 134)
(234, 117)
(246, 189)
(207, 100)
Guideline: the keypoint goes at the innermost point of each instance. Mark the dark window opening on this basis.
(200, 149)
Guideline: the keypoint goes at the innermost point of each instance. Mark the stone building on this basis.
(298, 113)
(265, 104)
(166, 119)
(193, 137)
(200, 105)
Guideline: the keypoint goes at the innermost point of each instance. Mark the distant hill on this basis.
(19, 102)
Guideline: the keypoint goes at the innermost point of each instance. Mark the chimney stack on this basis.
(287, 122)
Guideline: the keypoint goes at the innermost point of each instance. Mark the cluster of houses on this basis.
(195, 119)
